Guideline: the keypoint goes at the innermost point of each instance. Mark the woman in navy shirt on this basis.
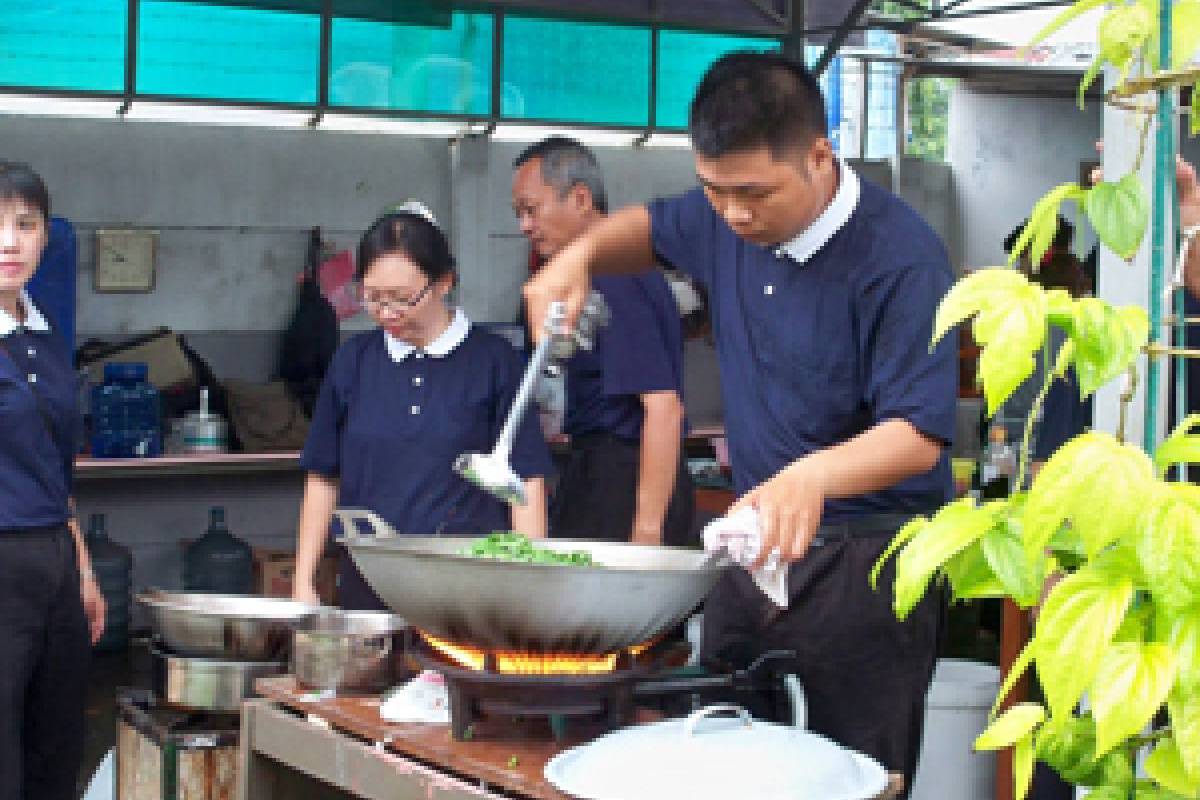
(48, 596)
(400, 403)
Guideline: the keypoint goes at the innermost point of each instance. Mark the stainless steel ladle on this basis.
(492, 471)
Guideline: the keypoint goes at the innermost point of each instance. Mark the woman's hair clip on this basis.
(415, 207)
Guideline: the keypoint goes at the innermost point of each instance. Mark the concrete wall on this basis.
(1005, 152)
(930, 188)
(233, 206)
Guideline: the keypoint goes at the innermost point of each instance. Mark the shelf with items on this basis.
(87, 467)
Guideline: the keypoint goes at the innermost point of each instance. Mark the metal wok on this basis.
(635, 593)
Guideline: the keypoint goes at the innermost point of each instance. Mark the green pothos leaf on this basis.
(1075, 628)
(1069, 747)
(1148, 791)
(1106, 340)
(1022, 662)
(1060, 309)
(970, 575)
(1167, 544)
(1022, 763)
(1180, 628)
(1094, 482)
(1180, 446)
(1010, 727)
(1089, 77)
(1020, 572)
(1122, 32)
(1131, 685)
(950, 530)
(1119, 211)
(910, 529)
(1166, 766)
(1184, 710)
(1039, 232)
(1010, 325)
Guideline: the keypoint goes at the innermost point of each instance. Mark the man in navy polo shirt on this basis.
(625, 477)
(823, 289)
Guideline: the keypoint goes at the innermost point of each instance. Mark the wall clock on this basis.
(125, 260)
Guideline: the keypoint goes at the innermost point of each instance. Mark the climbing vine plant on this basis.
(1116, 650)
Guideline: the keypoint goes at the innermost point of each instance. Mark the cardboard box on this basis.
(275, 571)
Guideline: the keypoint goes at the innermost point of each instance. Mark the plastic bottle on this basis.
(999, 464)
(218, 561)
(126, 414)
(113, 566)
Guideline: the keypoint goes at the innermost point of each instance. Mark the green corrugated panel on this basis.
(683, 58)
(63, 44)
(437, 68)
(221, 52)
(575, 71)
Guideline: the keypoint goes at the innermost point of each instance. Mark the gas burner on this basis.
(596, 701)
(483, 691)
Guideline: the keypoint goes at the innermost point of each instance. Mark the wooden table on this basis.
(344, 743)
(299, 750)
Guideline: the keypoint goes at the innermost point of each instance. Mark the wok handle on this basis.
(349, 517)
(696, 717)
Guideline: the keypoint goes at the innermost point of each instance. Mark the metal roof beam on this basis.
(840, 35)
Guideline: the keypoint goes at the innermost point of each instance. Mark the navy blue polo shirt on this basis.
(390, 431)
(1064, 416)
(36, 454)
(812, 354)
(639, 351)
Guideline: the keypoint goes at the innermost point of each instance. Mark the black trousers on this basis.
(596, 495)
(353, 591)
(44, 655)
(865, 674)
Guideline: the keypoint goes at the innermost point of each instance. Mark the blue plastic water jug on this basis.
(126, 414)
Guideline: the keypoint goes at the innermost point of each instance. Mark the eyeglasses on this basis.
(380, 301)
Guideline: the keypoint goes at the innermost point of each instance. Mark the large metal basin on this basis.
(636, 592)
(234, 627)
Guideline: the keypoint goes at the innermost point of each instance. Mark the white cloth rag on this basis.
(738, 534)
(423, 699)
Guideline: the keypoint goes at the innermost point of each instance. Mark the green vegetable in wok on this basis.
(513, 546)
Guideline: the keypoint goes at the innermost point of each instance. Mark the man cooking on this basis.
(624, 477)
(838, 414)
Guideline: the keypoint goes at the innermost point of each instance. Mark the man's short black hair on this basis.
(567, 163)
(747, 100)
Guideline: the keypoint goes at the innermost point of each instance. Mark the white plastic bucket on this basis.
(956, 713)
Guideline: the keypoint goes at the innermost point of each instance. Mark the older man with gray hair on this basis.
(625, 477)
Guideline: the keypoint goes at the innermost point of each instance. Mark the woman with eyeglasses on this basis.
(400, 403)
(51, 608)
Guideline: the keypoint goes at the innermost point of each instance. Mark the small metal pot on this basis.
(207, 684)
(347, 651)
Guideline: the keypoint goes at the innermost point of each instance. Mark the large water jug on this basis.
(218, 561)
(126, 414)
(113, 565)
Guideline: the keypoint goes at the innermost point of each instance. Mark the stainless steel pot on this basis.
(232, 627)
(632, 594)
(347, 651)
(207, 684)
